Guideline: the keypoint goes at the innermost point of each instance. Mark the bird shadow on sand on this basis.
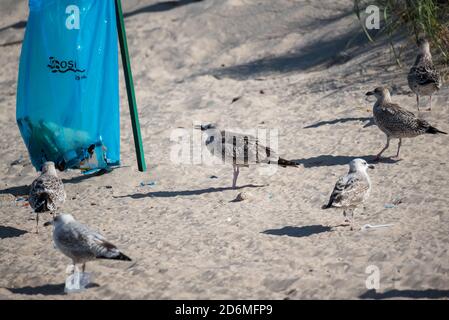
(25, 189)
(331, 160)
(160, 7)
(169, 194)
(369, 122)
(17, 191)
(414, 294)
(298, 232)
(46, 289)
(10, 232)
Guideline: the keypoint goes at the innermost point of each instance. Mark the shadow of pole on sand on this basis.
(169, 194)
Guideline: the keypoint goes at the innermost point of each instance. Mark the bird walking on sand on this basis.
(47, 192)
(239, 149)
(395, 121)
(80, 243)
(423, 78)
(352, 189)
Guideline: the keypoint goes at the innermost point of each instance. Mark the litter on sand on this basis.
(370, 226)
(77, 282)
(147, 183)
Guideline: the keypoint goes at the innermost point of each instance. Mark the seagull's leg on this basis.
(430, 107)
(385, 148)
(234, 177)
(71, 268)
(399, 148)
(346, 217)
(417, 101)
(83, 267)
(352, 219)
(37, 223)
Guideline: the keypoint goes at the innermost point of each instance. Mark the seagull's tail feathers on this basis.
(122, 257)
(333, 202)
(433, 130)
(42, 203)
(327, 206)
(286, 163)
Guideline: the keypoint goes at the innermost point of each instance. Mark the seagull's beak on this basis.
(370, 93)
(204, 127)
(370, 166)
(48, 223)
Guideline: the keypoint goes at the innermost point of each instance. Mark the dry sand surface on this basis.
(301, 67)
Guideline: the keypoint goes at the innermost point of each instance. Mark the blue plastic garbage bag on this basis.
(67, 94)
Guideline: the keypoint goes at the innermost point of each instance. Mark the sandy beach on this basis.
(296, 66)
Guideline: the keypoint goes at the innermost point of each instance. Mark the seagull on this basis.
(423, 78)
(395, 121)
(239, 149)
(46, 192)
(80, 243)
(351, 189)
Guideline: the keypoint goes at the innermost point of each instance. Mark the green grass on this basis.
(415, 18)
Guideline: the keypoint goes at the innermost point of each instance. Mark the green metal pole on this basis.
(130, 87)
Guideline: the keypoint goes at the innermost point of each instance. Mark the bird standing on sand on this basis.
(351, 189)
(239, 149)
(423, 78)
(46, 192)
(396, 122)
(80, 243)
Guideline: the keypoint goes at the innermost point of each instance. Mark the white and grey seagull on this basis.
(47, 192)
(423, 78)
(395, 121)
(241, 150)
(352, 189)
(80, 243)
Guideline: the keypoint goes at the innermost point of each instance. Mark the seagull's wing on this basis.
(396, 118)
(349, 191)
(49, 188)
(246, 148)
(394, 111)
(425, 74)
(72, 238)
(95, 243)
